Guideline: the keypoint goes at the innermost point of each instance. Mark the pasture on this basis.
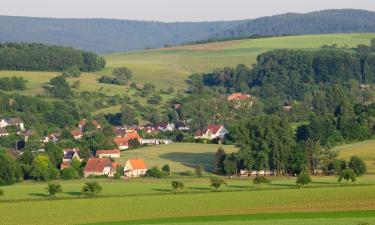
(365, 150)
(208, 204)
(181, 157)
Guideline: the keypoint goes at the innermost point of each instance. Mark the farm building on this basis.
(99, 167)
(115, 153)
(135, 168)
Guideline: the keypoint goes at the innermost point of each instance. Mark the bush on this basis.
(303, 179)
(357, 165)
(92, 188)
(199, 170)
(72, 71)
(177, 185)
(53, 189)
(261, 180)
(217, 182)
(155, 99)
(69, 174)
(154, 172)
(347, 174)
(166, 169)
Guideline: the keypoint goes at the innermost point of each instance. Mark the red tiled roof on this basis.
(64, 165)
(107, 152)
(137, 164)
(76, 133)
(214, 128)
(238, 96)
(97, 164)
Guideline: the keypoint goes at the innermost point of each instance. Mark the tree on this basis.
(53, 189)
(219, 160)
(128, 115)
(217, 182)
(10, 171)
(357, 165)
(154, 172)
(347, 174)
(71, 71)
(260, 180)
(60, 88)
(69, 174)
(303, 179)
(373, 44)
(199, 170)
(92, 188)
(166, 169)
(177, 185)
(122, 75)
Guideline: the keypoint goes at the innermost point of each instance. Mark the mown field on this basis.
(181, 157)
(365, 150)
(210, 204)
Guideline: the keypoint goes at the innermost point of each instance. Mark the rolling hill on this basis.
(110, 35)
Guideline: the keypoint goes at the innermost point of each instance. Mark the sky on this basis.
(172, 10)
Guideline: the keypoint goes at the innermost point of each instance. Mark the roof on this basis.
(214, 128)
(107, 152)
(13, 121)
(97, 164)
(64, 165)
(76, 133)
(119, 131)
(3, 130)
(238, 96)
(137, 164)
(70, 153)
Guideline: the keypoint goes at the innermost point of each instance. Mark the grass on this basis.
(181, 157)
(365, 150)
(143, 207)
(171, 66)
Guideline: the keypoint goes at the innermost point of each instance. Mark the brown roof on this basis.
(64, 165)
(3, 130)
(97, 164)
(238, 96)
(76, 133)
(214, 128)
(137, 164)
(107, 152)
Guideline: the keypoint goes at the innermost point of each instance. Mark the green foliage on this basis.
(219, 160)
(347, 174)
(122, 75)
(13, 83)
(1, 192)
(166, 169)
(177, 185)
(199, 170)
(154, 99)
(71, 71)
(42, 169)
(154, 172)
(128, 116)
(60, 88)
(10, 171)
(69, 174)
(92, 188)
(303, 179)
(53, 189)
(217, 182)
(261, 180)
(357, 165)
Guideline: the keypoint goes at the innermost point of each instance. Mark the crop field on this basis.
(365, 150)
(171, 66)
(181, 157)
(138, 208)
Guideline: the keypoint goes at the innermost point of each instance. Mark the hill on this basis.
(110, 35)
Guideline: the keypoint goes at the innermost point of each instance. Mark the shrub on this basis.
(357, 165)
(166, 169)
(154, 172)
(303, 179)
(92, 188)
(53, 189)
(69, 174)
(260, 180)
(199, 170)
(217, 182)
(177, 185)
(347, 174)
(72, 71)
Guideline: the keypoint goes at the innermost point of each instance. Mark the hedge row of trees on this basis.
(40, 57)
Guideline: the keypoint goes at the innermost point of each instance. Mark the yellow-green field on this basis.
(365, 150)
(171, 66)
(181, 157)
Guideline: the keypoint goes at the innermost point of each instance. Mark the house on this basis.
(26, 134)
(51, 138)
(99, 167)
(119, 131)
(212, 131)
(182, 126)
(135, 168)
(155, 141)
(165, 127)
(70, 154)
(240, 100)
(12, 122)
(64, 165)
(83, 123)
(3, 132)
(115, 153)
(124, 142)
(77, 134)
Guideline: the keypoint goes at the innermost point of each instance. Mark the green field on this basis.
(209, 203)
(171, 66)
(181, 157)
(365, 150)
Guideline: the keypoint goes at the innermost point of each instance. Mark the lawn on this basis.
(181, 157)
(143, 207)
(171, 66)
(365, 150)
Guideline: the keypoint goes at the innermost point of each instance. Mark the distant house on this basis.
(64, 165)
(115, 153)
(26, 134)
(51, 138)
(124, 142)
(182, 126)
(12, 122)
(3, 132)
(119, 131)
(82, 124)
(135, 168)
(99, 167)
(165, 126)
(212, 131)
(155, 141)
(240, 99)
(77, 134)
(70, 154)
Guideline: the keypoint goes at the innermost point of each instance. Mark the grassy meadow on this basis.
(365, 150)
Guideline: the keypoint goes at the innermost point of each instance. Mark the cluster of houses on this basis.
(16, 122)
